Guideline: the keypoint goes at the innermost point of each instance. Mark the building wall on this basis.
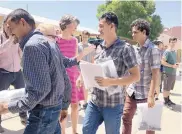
(165, 39)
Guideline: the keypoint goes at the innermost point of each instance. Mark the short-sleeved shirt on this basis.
(124, 58)
(170, 57)
(88, 57)
(150, 59)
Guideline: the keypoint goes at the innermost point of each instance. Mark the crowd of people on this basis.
(46, 64)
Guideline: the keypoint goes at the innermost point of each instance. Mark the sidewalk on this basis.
(171, 120)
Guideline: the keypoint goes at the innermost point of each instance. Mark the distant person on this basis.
(10, 68)
(88, 58)
(160, 46)
(170, 65)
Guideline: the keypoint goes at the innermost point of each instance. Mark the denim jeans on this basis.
(94, 116)
(43, 120)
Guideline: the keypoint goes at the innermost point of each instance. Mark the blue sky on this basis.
(170, 11)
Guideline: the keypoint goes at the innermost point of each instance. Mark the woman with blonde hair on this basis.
(69, 47)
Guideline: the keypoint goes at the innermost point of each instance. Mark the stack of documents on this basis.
(104, 69)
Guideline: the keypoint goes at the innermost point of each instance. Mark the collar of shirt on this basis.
(147, 43)
(26, 38)
(116, 42)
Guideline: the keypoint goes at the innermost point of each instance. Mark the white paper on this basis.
(149, 118)
(103, 68)
(110, 72)
(11, 95)
(89, 71)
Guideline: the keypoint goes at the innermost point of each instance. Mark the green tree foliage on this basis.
(128, 11)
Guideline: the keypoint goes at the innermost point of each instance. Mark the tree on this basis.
(128, 11)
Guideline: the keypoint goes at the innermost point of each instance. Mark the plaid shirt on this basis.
(149, 58)
(124, 58)
(46, 80)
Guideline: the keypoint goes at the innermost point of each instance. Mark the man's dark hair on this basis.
(110, 17)
(172, 39)
(157, 42)
(19, 13)
(141, 25)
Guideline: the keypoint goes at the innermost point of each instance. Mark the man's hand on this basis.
(103, 82)
(64, 114)
(151, 101)
(88, 50)
(3, 108)
(85, 52)
(175, 65)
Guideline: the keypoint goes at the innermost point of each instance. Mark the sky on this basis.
(170, 11)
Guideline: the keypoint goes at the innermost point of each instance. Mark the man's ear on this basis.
(144, 32)
(22, 21)
(112, 25)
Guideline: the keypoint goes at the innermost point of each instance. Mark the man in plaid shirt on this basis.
(142, 91)
(103, 107)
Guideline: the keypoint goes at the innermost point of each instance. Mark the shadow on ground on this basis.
(175, 94)
(6, 131)
(177, 108)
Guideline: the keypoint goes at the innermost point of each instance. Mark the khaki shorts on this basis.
(168, 81)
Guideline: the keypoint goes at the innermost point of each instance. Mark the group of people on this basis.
(53, 80)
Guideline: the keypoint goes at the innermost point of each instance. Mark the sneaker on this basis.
(1, 129)
(169, 105)
(23, 121)
(172, 103)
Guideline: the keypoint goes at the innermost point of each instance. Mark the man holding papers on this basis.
(105, 107)
(142, 91)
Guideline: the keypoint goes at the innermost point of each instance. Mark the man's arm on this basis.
(69, 62)
(130, 61)
(67, 92)
(124, 81)
(164, 63)
(153, 85)
(155, 63)
(37, 79)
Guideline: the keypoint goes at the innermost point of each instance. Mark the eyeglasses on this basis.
(52, 36)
